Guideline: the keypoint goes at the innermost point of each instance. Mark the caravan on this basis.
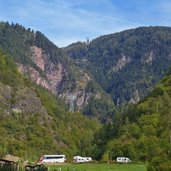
(123, 160)
(79, 159)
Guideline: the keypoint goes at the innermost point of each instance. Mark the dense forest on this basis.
(126, 64)
(35, 122)
(125, 67)
(143, 131)
(46, 64)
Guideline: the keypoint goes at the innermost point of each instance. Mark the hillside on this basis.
(43, 94)
(141, 131)
(35, 122)
(127, 64)
(47, 65)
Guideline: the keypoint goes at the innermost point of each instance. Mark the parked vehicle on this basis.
(52, 159)
(79, 159)
(123, 160)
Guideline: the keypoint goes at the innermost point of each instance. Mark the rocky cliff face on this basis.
(124, 62)
(32, 117)
(80, 96)
(20, 100)
(49, 66)
(53, 76)
(34, 75)
(148, 57)
(53, 73)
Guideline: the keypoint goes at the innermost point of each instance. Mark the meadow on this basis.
(98, 167)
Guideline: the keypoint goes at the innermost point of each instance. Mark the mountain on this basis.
(141, 131)
(33, 121)
(44, 90)
(127, 64)
(49, 66)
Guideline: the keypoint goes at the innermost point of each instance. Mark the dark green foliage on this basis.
(8, 166)
(142, 131)
(124, 62)
(156, 92)
(34, 122)
(11, 166)
(100, 107)
(8, 74)
(139, 132)
(16, 41)
(36, 168)
(77, 51)
(161, 163)
(10, 42)
(21, 45)
(56, 55)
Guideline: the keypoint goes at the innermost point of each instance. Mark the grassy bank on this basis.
(99, 167)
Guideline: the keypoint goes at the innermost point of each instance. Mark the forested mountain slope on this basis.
(126, 64)
(141, 131)
(48, 66)
(34, 122)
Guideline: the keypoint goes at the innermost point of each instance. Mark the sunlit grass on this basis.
(98, 167)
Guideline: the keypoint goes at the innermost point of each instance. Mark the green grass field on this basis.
(98, 167)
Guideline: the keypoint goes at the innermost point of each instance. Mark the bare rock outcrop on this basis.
(50, 76)
(123, 60)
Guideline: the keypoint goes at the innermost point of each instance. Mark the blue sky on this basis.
(68, 21)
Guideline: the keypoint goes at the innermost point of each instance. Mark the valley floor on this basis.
(98, 167)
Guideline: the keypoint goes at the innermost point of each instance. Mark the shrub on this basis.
(159, 164)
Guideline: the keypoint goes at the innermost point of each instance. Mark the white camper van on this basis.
(123, 160)
(52, 159)
(79, 159)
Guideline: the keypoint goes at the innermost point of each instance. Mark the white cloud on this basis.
(82, 22)
(68, 20)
